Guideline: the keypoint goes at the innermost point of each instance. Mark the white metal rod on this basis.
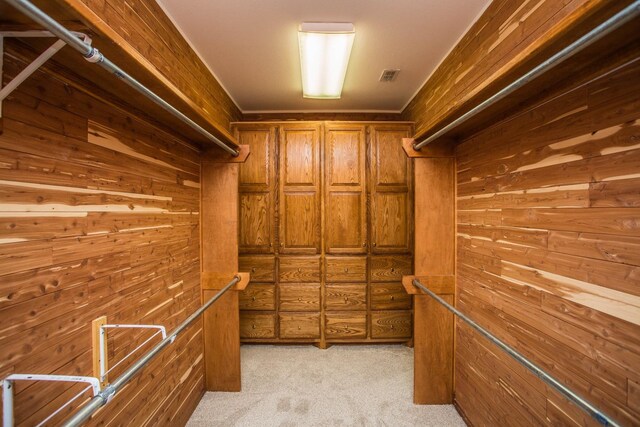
(7, 403)
(616, 21)
(30, 69)
(107, 394)
(91, 54)
(161, 328)
(537, 371)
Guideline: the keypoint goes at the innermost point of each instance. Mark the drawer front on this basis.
(389, 296)
(346, 269)
(257, 325)
(300, 325)
(391, 324)
(390, 268)
(258, 297)
(299, 269)
(300, 297)
(346, 297)
(346, 325)
(261, 268)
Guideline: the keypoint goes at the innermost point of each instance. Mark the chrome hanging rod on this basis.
(537, 371)
(92, 54)
(112, 389)
(616, 21)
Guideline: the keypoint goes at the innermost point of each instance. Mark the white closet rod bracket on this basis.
(33, 66)
(7, 390)
(103, 348)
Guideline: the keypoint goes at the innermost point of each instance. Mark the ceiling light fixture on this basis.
(324, 56)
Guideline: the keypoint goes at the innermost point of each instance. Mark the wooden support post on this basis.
(95, 342)
(219, 264)
(434, 256)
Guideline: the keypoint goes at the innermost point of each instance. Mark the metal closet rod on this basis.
(616, 21)
(110, 391)
(537, 371)
(92, 54)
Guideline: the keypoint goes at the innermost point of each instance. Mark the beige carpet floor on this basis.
(340, 386)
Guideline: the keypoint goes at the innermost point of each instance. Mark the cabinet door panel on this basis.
(346, 222)
(390, 218)
(259, 167)
(257, 190)
(255, 225)
(345, 157)
(299, 209)
(299, 166)
(390, 163)
(300, 223)
(345, 197)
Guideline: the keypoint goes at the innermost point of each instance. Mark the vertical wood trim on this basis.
(434, 255)
(220, 256)
(95, 341)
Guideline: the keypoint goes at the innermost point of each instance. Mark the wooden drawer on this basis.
(391, 324)
(390, 268)
(299, 269)
(257, 325)
(261, 268)
(300, 325)
(346, 297)
(346, 269)
(346, 325)
(389, 296)
(258, 297)
(300, 297)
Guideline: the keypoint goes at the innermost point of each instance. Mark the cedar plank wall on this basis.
(146, 27)
(548, 238)
(99, 217)
(549, 254)
(505, 28)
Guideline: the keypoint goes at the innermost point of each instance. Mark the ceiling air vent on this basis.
(389, 75)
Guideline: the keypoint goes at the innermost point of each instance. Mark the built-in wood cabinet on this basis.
(325, 231)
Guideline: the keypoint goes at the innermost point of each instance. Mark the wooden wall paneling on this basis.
(546, 253)
(84, 236)
(344, 194)
(390, 187)
(299, 201)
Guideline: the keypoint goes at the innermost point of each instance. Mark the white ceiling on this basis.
(251, 46)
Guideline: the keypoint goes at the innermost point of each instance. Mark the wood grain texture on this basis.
(100, 216)
(547, 252)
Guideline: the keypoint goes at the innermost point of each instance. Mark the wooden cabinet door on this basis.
(257, 190)
(391, 186)
(299, 205)
(345, 196)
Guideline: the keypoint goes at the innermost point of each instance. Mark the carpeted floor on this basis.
(340, 386)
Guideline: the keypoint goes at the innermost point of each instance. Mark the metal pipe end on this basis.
(235, 153)
(414, 145)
